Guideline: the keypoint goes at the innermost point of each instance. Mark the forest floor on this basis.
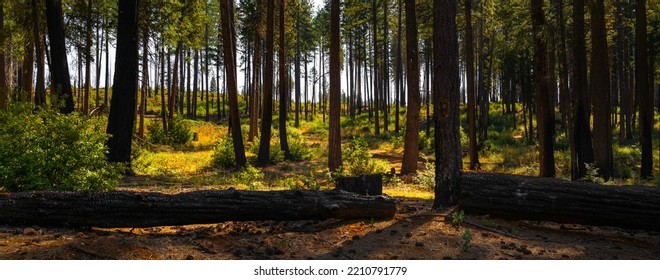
(415, 232)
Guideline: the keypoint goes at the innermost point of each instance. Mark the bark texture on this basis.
(146, 209)
(534, 198)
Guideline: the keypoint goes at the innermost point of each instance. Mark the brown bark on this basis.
(471, 96)
(256, 77)
(334, 139)
(228, 36)
(411, 146)
(263, 158)
(446, 96)
(40, 87)
(4, 94)
(581, 103)
(642, 87)
(544, 119)
(534, 198)
(139, 209)
(600, 88)
(284, 87)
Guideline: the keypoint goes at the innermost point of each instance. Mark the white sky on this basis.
(240, 79)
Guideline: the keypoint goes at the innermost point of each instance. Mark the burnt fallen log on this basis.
(371, 184)
(533, 198)
(146, 209)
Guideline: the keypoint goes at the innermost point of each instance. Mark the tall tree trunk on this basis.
(107, 65)
(195, 83)
(122, 105)
(263, 158)
(642, 88)
(60, 80)
(145, 81)
(386, 67)
(163, 108)
(334, 139)
(399, 72)
(376, 90)
(297, 73)
(88, 58)
(544, 119)
(174, 85)
(4, 93)
(27, 72)
(228, 36)
(446, 96)
(40, 87)
(284, 87)
(411, 146)
(471, 98)
(564, 94)
(256, 76)
(99, 41)
(206, 69)
(600, 88)
(581, 132)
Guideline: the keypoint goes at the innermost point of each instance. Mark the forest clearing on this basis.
(480, 129)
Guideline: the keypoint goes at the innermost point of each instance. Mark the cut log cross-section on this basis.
(145, 209)
(533, 198)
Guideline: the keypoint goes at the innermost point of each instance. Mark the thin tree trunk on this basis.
(256, 76)
(334, 139)
(471, 98)
(88, 59)
(411, 146)
(263, 158)
(376, 90)
(40, 89)
(4, 93)
(642, 87)
(284, 87)
(228, 46)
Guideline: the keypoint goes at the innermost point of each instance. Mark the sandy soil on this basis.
(414, 233)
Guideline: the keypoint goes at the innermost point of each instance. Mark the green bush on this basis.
(50, 151)
(177, 133)
(358, 161)
(223, 154)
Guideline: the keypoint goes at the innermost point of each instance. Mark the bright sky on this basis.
(241, 74)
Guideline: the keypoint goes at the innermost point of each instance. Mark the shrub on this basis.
(249, 176)
(426, 179)
(177, 133)
(358, 160)
(223, 154)
(50, 151)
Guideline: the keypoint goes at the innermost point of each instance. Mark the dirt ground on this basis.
(414, 233)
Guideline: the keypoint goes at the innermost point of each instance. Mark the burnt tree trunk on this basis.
(146, 209)
(534, 198)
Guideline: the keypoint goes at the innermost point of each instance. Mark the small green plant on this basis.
(358, 160)
(458, 217)
(592, 174)
(47, 150)
(223, 154)
(178, 133)
(426, 179)
(467, 238)
(249, 176)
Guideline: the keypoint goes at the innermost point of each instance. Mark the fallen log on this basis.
(145, 209)
(547, 199)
